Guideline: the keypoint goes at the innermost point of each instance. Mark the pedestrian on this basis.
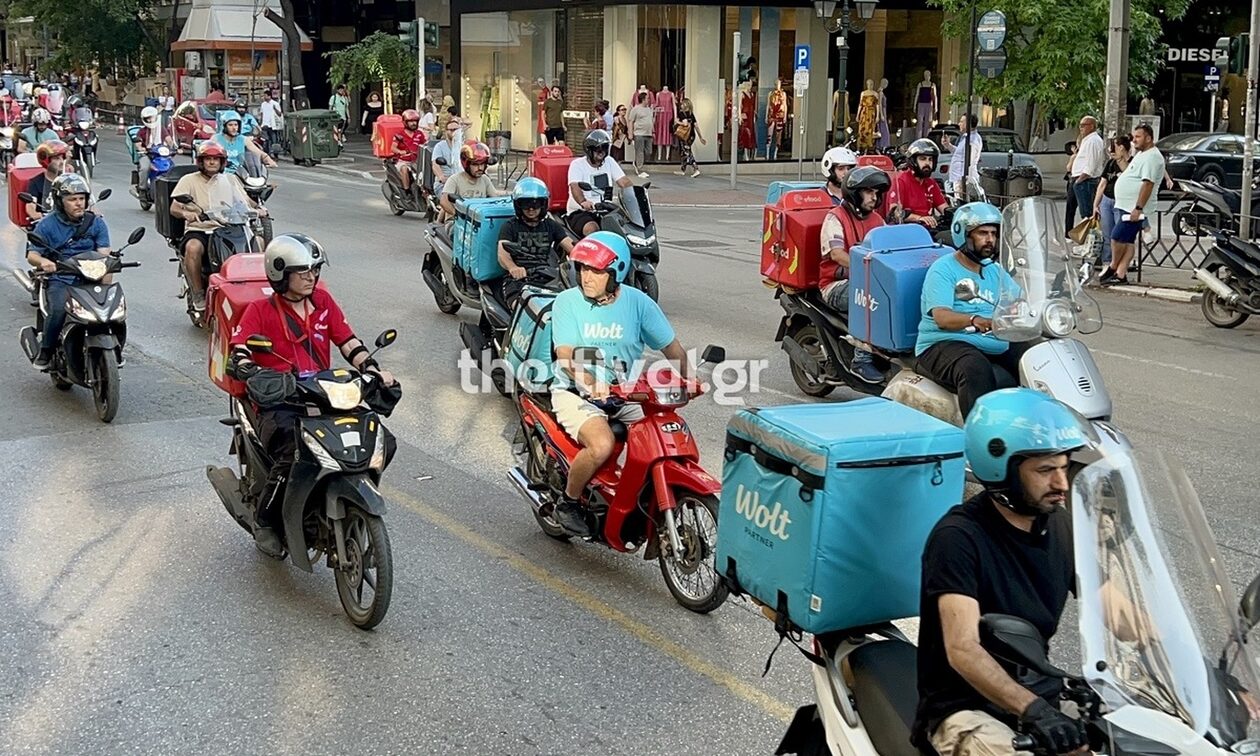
(553, 113)
(959, 156)
(339, 103)
(1134, 189)
(372, 110)
(1070, 215)
(1091, 157)
(428, 119)
(620, 134)
(642, 121)
(687, 132)
(269, 109)
(1105, 199)
(166, 102)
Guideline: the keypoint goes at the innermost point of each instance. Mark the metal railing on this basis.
(1181, 237)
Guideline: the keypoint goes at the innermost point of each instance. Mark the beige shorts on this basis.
(973, 733)
(572, 412)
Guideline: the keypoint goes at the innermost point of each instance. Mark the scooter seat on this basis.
(886, 695)
(620, 430)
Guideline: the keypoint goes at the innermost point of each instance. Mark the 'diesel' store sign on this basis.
(1189, 55)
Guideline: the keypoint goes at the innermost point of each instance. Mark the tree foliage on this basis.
(118, 37)
(379, 59)
(1057, 50)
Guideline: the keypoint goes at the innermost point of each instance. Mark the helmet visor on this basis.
(537, 204)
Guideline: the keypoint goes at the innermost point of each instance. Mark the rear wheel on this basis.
(807, 336)
(146, 205)
(536, 471)
(268, 231)
(105, 388)
(365, 582)
(390, 199)
(691, 575)
(1220, 314)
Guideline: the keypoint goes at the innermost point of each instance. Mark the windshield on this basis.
(1002, 141)
(634, 201)
(210, 111)
(1158, 617)
(1182, 142)
(1051, 299)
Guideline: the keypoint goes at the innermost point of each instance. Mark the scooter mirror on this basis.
(104, 195)
(136, 235)
(441, 161)
(965, 290)
(26, 197)
(183, 199)
(259, 343)
(713, 354)
(585, 186)
(1249, 607)
(1016, 641)
(386, 338)
(36, 240)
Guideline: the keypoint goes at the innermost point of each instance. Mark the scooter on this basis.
(1212, 207)
(420, 198)
(84, 142)
(1231, 274)
(660, 499)
(89, 348)
(630, 216)
(1149, 689)
(234, 235)
(259, 190)
(160, 162)
(8, 147)
(818, 344)
(332, 505)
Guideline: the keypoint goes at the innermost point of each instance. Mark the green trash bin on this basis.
(310, 135)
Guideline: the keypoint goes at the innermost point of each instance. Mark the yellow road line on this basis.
(645, 634)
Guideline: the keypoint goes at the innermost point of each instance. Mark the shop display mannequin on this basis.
(487, 100)
(665, 112)
(776, 119)
(1146, 107)
(634, 98)
(925, 104)
(748, 120)
(881, 126)
(840, 116)
(868, 114)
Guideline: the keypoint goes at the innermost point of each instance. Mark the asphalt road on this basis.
(141, 619)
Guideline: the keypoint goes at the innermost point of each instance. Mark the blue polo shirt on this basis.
(938, 291)
(58, 232)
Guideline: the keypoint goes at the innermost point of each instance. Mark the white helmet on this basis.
(148, 114)
(837, 156)
(41, 116)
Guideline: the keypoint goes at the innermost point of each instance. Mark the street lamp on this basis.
(844, 26)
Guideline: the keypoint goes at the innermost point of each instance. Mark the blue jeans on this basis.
(1084, 191)
(55, 294)
(837, 298)
(1107, 215)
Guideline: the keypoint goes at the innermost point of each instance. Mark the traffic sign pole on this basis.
(420, 61)
(1249, 131)
(732, 133)
(800, 82)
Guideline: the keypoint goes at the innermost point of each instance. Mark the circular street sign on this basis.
(991, 31)
(991, 64)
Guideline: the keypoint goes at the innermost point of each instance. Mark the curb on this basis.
(1158, 292)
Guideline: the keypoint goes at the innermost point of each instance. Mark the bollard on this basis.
(121, 128)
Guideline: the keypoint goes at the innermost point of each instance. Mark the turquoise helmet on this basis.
(1009, 424)
(971, 216)
(604, 250)
(529, 190)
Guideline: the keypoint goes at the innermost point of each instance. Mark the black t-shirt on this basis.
(536, 242)
(39, 188)
(975, 552)
(1111, 172)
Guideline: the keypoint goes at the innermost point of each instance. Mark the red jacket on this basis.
(855, 231)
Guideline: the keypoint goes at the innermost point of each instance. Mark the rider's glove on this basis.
(1051, 728)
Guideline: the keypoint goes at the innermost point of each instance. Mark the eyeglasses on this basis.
(305, 272)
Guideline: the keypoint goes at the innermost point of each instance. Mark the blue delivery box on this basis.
(476, 235)
(886, 284)
(779, 188)
(826, 508)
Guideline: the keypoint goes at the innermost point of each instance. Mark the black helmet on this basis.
(291, 253)
(922, 147)
(240, 104)
(596, 141)
(864, 177)
(65, 185)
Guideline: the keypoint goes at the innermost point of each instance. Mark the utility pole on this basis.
(420, 32)
(1249, 131)
(732, 134)
(971, 98)
(1117, 68)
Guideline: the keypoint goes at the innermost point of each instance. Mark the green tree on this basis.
(382, 58)
(118, 37)
(1057, 51)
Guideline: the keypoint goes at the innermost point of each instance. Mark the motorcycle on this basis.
(234, 235)
(1212, 207)
(8, 147)
(630, 216)
(1147, 683)
(160, 162)
(332, 505)
(1231, 274)
(258, 190)
(660, 499)
(420, 198)
(84, 142)
(452, 287)
(819, 345)
(89, 348)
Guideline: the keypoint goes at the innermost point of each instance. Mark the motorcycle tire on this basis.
(648, 284)
(267, 230)
(537, 473)
(61, 383)
(146, 205)
(366, 541)
(700, 546)
(809, 339)
(390, 199)
(105, 388)
(1216, 312)
(1198, 220)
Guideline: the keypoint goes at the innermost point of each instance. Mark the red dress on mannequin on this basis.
(748, 121)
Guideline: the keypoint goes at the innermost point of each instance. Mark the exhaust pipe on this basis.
(1217, 287)
(522, 485)
(24, 278)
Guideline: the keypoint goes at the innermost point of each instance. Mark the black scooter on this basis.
(332, 505)
(420, 198)
(1211, 207)
(234, 235)
(1231, 274)
(84, 142)
(630, 217)
(819, 347)
(259, 190)
(89, 348)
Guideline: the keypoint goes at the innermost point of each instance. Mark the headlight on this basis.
(670, 396)
(79, 311)
(342, 396)
(640, 241)
(377, 462)
(120, 312)
(1179, 157)
(321, 454)
(93, 270)
(83, 125)
(164, 151)
(7, 132)
(1058, 319)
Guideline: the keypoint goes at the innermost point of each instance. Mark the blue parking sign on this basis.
(802, 57)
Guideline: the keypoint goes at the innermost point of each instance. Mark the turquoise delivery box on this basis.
(886, 284)
(778, 188)
(529, 339)
(826, 508)
(476, 235)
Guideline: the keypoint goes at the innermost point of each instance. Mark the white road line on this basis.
(1157, 363)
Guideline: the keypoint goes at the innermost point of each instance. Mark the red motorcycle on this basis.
(660, 496)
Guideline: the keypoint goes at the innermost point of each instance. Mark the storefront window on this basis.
(508, 61)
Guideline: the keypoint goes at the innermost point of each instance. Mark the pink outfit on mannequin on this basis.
(665, 111)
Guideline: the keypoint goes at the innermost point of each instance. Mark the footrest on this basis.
(230, 422)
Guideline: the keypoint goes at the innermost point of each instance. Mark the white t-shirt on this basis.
(1091, 157)
(1147, 165)
(167, 102)
(427, 122)
(582, 172)
(270, 110)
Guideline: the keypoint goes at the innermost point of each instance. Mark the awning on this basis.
(220, 28)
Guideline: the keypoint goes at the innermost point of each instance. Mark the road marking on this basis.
(1157, 363)
(643, 633)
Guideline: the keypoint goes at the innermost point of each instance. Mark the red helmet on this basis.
(411, 114)
(211, 148)
(473, 153)
(50, 149)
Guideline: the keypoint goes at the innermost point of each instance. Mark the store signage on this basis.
(991, 31)
(1189, 55)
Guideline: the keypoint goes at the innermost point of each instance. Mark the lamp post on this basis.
(843, 27)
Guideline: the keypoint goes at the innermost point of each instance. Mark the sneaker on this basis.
(198, 300)
(1107, 275)
(643, 174)
(266, 541)
(43, 359)
(1115, 281)
(866, 371)
(697, 173)
(571, 516)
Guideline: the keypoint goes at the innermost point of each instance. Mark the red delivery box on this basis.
(551, 164)
(19, 179)
(791, 228)
(384, 129)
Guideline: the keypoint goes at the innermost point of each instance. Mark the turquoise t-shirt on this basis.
(235, 150)
(938, 291)
(621, 329)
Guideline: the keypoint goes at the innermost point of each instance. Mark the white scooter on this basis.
(1051, 304)
(1146, 685)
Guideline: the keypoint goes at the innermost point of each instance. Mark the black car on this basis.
(1210, 158)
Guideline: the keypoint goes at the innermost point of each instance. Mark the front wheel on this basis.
(146, 205)
(368, 569)
(105, 389)
(648, 284)
(267, 230)
(691, 575)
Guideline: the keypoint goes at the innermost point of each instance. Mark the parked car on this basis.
(1003, 148)
(1206, 157)
(198, 119)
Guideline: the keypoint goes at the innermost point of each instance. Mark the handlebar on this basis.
(1024, 743)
